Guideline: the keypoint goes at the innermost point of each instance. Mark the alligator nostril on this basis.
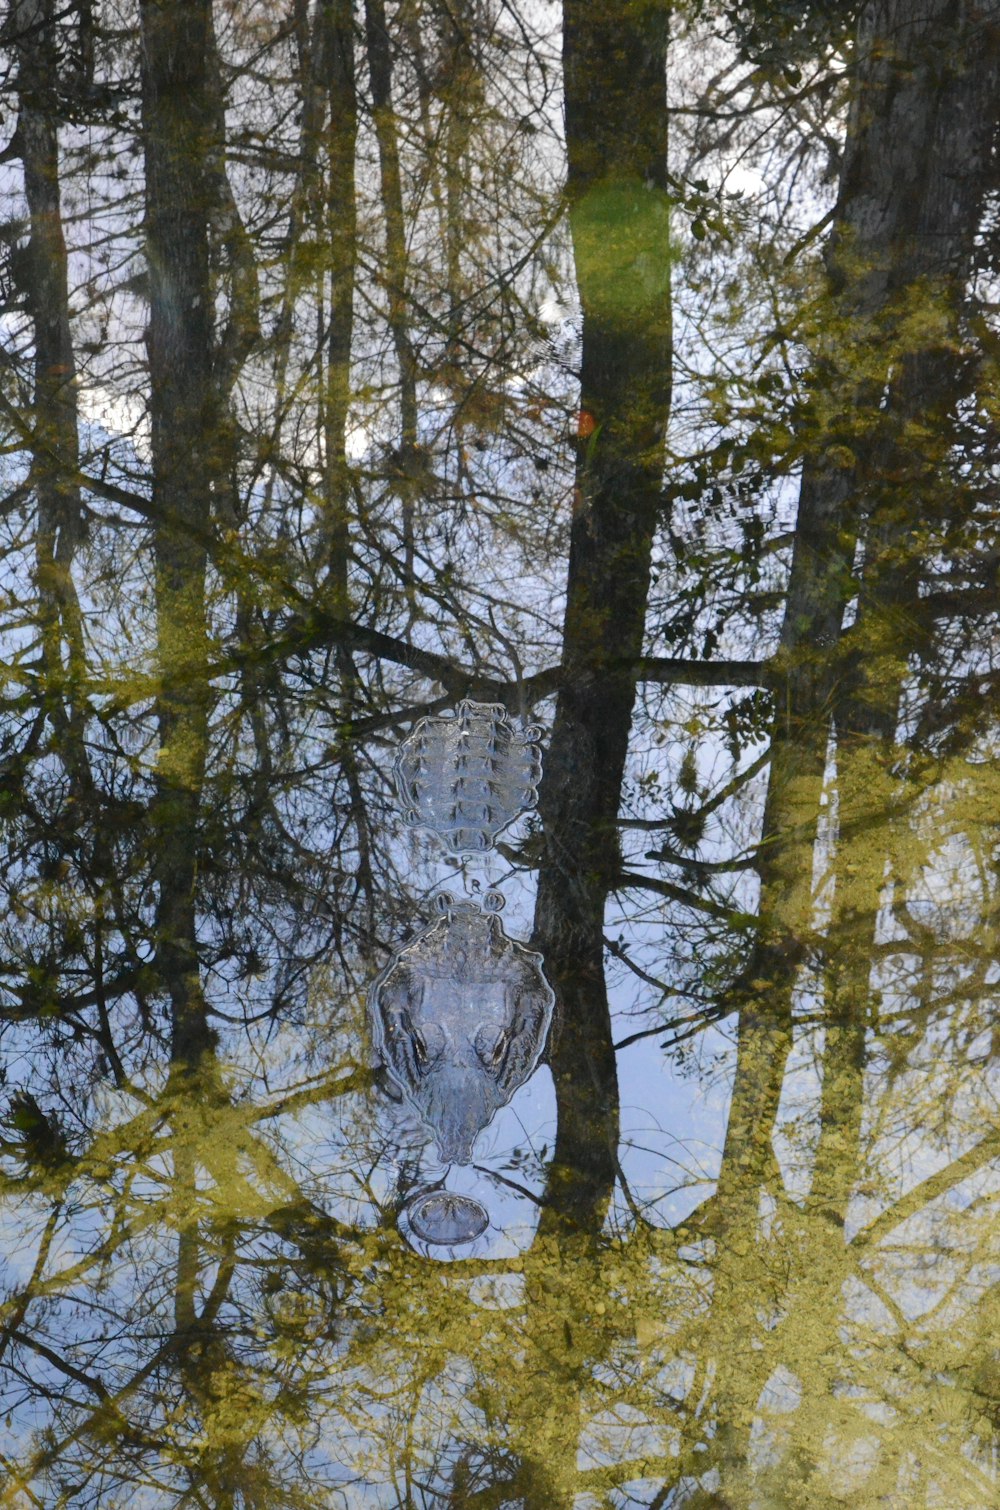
(455, 1147)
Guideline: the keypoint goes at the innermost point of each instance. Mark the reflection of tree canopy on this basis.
(344, 350)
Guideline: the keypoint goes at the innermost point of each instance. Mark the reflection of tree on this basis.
(616, 146)
(899, 261)
(303, 1327)
(360, 495)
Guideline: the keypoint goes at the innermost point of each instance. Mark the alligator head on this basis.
(461, 1014)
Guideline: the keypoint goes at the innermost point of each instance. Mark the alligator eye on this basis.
(494, 1057)
(417, 1039)
(492, 1051)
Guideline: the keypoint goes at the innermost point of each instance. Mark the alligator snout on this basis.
(456, 1096)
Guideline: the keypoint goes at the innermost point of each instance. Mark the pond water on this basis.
(257, 1282)
(499, 800)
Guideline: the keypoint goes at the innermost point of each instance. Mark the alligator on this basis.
(460, 1017)
(465, 778)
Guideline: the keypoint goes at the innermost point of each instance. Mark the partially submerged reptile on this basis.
(460, 1016)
